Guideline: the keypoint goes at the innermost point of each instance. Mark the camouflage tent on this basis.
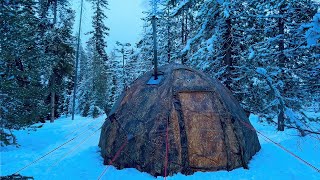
(183, 122)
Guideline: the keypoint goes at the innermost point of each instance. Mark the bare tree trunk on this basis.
(123, 70)
(52, 106)
(169, 43)
(182, 34)
(77, 64)
(55, 4)
(282, 60)
(228, 52)
(52, 100)
(186, 28)
(281, 118)
(44, 7)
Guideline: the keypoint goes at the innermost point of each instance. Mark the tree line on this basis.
(37, 61)
(266, 53)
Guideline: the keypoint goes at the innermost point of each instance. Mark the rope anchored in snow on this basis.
(73, 149)
(48, 153)
(279, 145)
(79, 128)
(113, 159)
(40, 158)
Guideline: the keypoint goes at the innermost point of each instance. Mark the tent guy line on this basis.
(282, 147)
(77, 129)
(246, 125)
(53, 150)
(72, 150)
(113, 159)
(118, 153)
(167, 145)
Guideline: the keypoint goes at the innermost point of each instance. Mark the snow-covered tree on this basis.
(284, 58)
(99, 59)
(21, 97)
(260, 50)
(32, 50)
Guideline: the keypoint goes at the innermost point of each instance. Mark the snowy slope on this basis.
(85, 161)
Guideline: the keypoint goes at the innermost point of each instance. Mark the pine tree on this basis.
(124, 51)
(282, 58)
(32, 50)
(114, 74)
(21, 87)
(145, 45)
(66, 56)
(99, 57)
(259, 50)
(85, 84)
(57, 50)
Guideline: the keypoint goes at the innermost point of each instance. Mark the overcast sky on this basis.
(124, 20)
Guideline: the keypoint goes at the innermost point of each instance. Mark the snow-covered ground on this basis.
(84, 161)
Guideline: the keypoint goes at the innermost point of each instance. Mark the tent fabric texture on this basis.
(186, 122)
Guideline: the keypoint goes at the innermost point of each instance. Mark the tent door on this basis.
(204, 132)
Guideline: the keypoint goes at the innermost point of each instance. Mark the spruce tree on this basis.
(21, 85)
(99, 57)
(282, 58)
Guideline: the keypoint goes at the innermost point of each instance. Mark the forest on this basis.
(267, 53)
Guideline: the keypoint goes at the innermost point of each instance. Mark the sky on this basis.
(124, 20)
